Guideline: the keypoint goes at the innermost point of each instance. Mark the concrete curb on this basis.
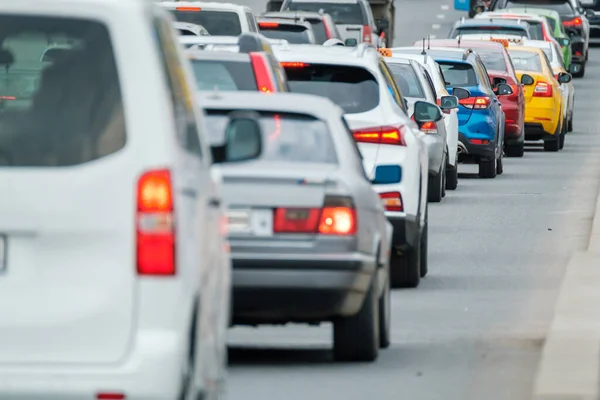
(570, 365)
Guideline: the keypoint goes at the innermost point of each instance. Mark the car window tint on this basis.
(391, 85)
(492, 58)
(217, 23)
(552, 24)
(536, 30)
(294, 34)
(286, 137)
(489, 30)
(526, 61)
(458, 74)
(431, 84)
(342, 13)
(251, 22)
(407, 80)
(224, 75)
(354, 89)
(52, 114)
(319, 30)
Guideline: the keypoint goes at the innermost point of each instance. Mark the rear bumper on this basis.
(151, 372)
(406, 230)
(468, 149)
(536, 131)
(546, 118)
(281, 288)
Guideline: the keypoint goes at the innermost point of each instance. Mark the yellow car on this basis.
(544, 118)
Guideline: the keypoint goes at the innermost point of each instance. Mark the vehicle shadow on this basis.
(239, 356)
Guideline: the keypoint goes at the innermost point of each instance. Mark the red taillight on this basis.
(573, 22)
(542, 89)
(294, 64)
(429, 127)
(381, 134)
(367, 34)
(110, 396)
(328, 30)
(188, 9)
(261, 73)
(265, 24)
(479, 141)
(392, 201)
(155, 225)
(475, 102)
(335, 218)
(8, 98)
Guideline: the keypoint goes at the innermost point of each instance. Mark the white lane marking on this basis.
(436, 26)
(445, 7)
(440, 16)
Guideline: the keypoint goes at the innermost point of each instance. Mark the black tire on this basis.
(561, 141)
(552, 144)
(385, 314)
(487, 169)
(500, 164)
(424, 247)
(444, 179)
(435, 190)
(405, 269)
(451, 177)
(356, 338)
(515, 150)
(581, 72)
(570, 124)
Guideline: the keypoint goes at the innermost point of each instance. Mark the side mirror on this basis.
(564, 77)
(243, 139)
(382, 25)
(448, 103)
(461, 93)
(527, 80)
(564, 42)
(351, 42)
(504, 90)
(387, 174)
(426, 112)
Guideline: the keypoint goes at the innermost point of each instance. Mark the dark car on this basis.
(594, 7)
(574, 20)
(323, 26)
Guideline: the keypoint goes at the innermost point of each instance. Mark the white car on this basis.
(393, 149)
(219, 19)
(434, 72)
(115, 278)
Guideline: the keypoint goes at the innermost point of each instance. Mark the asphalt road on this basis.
(498, 249)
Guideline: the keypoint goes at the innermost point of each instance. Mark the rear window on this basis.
(342, 13)
(492, 59)
(354, 89)
(562, 7)
(224, 75)
(493, 30)
(295, 34)
(458, 74)
(526, 61)
(64, 111)
(217, 23)
(536, 30)
(407, 80)
(286, 137)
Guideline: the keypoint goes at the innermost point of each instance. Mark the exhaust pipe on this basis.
(462, 149)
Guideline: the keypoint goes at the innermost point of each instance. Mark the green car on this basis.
(555, 23)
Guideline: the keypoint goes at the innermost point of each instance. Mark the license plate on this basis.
(258, 222)
(239, 221)
(3, 253)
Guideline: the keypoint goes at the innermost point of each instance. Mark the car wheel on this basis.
(500, 164)
(581, 72)
(444, 178)
(356, 338)
(424, 246)
(517, 150)
(487, 169)
(435, 186)
(552, 144)
(405, 268)
(385, 314)
(451, 177)
(570, 124)
(561, 141)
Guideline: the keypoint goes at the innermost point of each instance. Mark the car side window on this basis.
(483, 74)
(431, 84)
(180, 95)
(391, 84)
(558, 55)
(547, 62)
(251, 22)
(355, 146)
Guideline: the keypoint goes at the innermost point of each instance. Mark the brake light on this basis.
(110, 396)
(392, 201)
(479, 141)
(8, 98)
(476, 103)
(382, 135)
(294, 64)
(261, 73)
(367, 34)
(429, 127)
(268, 24)
(328, 30)
(542, 89)
(155, 225)
(336, 217)
(573, 22)
(188, 9)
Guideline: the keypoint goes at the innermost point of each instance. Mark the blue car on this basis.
(480, 116)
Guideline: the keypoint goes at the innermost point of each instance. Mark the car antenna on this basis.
(428, 42)
(459, 36)
(423, 52)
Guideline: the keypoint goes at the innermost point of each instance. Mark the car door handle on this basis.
(214, 202)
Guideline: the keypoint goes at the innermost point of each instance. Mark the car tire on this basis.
(561, 141)
(451, 177)
(435, 190)
(424, 246)
(405, 269)
(385, 313)
(487, 169)
(356, 338)
(516, 150)
(552, 144)
(570, 124)
(500, 164)
(444, 179)
(581, 72)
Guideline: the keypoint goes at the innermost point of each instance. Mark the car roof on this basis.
(528, 49)
(325, 1)
(195, 54)
(464, 43)
(500, 14)
(533, 43)
(294, 14)
(534, 10)
(283, 21)
(299, 103)
(397, 59)
(336, 55)
(210, 6)
(491, 22)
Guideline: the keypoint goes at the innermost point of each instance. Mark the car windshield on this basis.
(494, 30)
(458, 74)
(286, 137)
(224, 75)
(65, 109)
(294, 34)
(354, 89)
(562, 7)
(492, 59)
(526, 61)
(217, 23)
(407, 80)
(535, 30)
(342, 13)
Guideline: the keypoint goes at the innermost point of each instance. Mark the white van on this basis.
(114, 273)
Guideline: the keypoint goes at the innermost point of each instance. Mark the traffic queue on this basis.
(278, 171)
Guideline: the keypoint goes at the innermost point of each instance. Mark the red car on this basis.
(500, 70)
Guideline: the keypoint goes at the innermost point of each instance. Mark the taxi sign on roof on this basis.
(503, 41)
(385, 52)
